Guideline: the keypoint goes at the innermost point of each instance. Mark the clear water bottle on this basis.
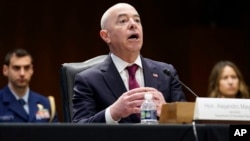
(148, 110)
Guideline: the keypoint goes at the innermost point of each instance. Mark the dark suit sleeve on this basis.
(85, 109)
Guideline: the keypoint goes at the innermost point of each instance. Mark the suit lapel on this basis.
(150, 74)
(32, 106)
(18, 109)
(113, 78)
(116, 85)
(14, 105)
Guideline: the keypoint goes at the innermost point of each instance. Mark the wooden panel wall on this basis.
(191, 35)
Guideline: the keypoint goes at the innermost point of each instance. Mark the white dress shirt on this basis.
(25, 98)
(121, 67)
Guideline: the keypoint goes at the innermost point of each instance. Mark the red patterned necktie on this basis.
(132, 83)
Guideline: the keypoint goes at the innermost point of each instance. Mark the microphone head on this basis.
(167, 71)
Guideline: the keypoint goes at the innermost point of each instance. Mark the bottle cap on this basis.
(148, 96)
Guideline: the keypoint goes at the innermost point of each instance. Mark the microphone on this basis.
(167, 72)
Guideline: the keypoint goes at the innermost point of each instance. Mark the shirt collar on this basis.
(121, 64)
(25, 97)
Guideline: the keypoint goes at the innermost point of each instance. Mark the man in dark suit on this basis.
(102, 94)
(17, 102)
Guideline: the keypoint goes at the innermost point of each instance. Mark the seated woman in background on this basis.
(226, 81)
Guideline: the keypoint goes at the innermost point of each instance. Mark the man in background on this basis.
(18, 103)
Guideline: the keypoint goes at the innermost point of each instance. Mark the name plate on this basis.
(231, 109)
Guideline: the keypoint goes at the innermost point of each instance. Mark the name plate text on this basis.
(222, 109)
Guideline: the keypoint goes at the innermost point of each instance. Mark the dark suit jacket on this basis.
(100, 86)
(12, 111)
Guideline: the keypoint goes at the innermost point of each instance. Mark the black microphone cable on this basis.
(167, 72)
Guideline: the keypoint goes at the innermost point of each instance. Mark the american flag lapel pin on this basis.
(155, 75)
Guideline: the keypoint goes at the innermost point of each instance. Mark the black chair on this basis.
(67, 77)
